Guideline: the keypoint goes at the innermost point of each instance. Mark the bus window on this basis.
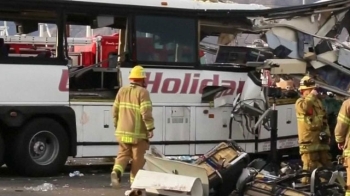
(165, 39)
(35, 42)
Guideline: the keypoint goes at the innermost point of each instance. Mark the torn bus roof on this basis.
(219, 9)
(302, 10)
(313, 38)
(325, 86)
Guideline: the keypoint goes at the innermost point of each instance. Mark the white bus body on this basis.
(43, 119)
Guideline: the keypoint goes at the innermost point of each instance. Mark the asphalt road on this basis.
(95, 182)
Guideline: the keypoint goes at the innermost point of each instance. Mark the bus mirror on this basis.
(209, 93)
(102, 21)
(26, 27)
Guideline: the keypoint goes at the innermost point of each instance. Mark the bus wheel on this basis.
(2, 150)
(41, 148)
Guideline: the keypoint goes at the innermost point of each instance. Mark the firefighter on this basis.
(341, 134)
(132, 112)
(313, 130)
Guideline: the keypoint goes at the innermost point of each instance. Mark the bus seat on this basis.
(162, 54)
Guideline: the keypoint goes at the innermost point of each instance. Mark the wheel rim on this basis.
(43, 148)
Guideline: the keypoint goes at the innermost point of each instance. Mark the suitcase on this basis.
(250, 176)
(261, 188)
(224, 164)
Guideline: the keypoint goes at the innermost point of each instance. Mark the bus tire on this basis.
(9, 144)
(2, 150)
(48, 148)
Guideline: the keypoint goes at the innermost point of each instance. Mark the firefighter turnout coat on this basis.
(341, 131)
(312, 120)
(133, 114)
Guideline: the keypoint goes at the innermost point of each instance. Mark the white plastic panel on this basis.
(78, 109)
(100, 151)
(212, 128)
(98, 125)
(177, 124)
(216, 129)
(281, 144)
(283, 36)
(330, 56)
(177, 128)
(288, 66)
(287, 122)
(158, 123)
(177, 150)
(75, 60)
(103, 150)
(344, 57)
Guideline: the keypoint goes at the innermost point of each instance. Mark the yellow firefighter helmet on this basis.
(307, 83)
(137, 72)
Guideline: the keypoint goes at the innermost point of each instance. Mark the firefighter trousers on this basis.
(346, 164)
(134, 152)
(314, 160)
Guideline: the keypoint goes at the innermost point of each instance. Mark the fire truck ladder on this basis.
(4, 29)
(44, 40)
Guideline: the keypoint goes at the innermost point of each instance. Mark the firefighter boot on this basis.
(115, 179)
(133, 192)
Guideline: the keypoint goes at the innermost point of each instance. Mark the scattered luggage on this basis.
(227, 171)
(221, 163)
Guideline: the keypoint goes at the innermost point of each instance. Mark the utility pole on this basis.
(303, 2)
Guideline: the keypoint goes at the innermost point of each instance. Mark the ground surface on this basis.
(95, 181)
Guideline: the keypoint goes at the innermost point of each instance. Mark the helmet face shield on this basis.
(307, 83)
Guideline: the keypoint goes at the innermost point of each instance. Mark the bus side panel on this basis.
(212, 126)
(33, 84)
(287, 129)
(159, 124)
(96, 131)
(78, 110)
(177, 131)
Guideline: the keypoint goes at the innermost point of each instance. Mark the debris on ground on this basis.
(43, 187)
(227, 170)
(76, 173)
